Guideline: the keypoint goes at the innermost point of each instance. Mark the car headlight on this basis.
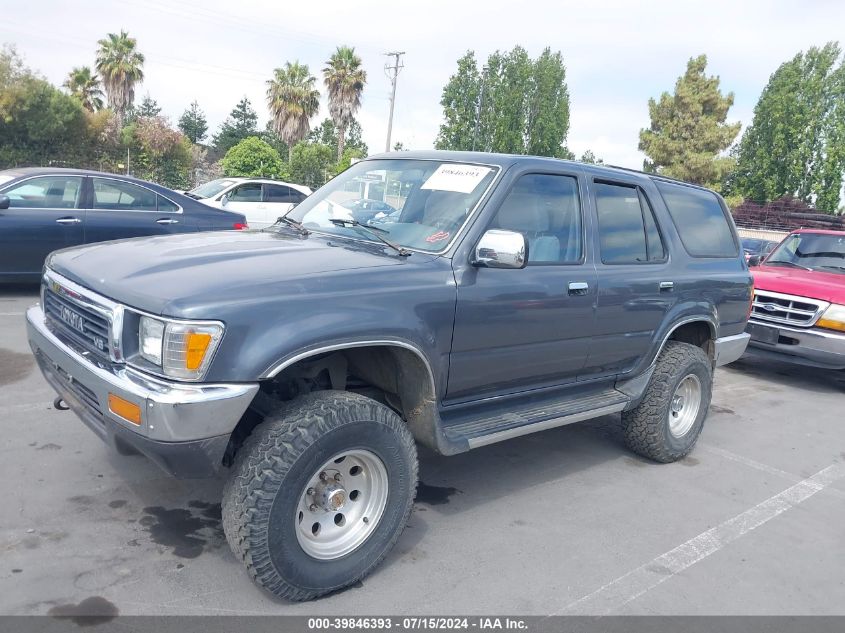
(833, 318)
(182, 349)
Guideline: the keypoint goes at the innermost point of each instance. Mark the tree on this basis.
(688, 130)
(39, 124)
(161, 154)
(796, 143)
(240, 124)
(85, 86)
(589, 157)
(399, 146)
(311, 164)
(515, 105)
(252, 158)
(344, 79)
(326, 133)
(148, 108)
(193, 124)
(460, 106)
(120, 66)
(293, 101)
(548, 107)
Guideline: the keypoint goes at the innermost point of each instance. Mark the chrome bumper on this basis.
(807, 346)
(730, 348)
(170, 412)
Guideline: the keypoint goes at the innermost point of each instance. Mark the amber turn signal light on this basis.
(129, 411)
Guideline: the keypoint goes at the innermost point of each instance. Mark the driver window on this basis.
(546, 209)
(246, 193)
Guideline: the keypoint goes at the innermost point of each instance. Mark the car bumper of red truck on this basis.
(811, 346)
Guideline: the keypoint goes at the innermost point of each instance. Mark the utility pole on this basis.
(392, 73)
(480, 105)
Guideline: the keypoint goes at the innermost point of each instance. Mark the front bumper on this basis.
(806, 346)
(184, 427)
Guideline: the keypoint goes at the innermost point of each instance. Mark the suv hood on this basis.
(177, 274)
(814, 284)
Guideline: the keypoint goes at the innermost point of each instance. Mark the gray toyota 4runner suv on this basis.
(507, 295)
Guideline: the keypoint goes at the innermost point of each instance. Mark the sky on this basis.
(618, 54)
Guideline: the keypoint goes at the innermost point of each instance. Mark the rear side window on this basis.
(628, 233)
(116, 195)
(700, 220)
(279, 193)
(166, 205)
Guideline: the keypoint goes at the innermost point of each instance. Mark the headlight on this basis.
(182, 349)
(833, 318)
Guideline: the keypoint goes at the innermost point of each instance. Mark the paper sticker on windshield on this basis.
(457, 178)
(437, 237)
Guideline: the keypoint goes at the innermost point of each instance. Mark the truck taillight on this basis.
(240, 226)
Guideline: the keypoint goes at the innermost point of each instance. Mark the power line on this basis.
(392, 73)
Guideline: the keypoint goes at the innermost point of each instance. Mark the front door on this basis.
(247, 199)
(517, 330)
(43, 216)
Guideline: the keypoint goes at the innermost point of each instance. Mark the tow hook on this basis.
(60, 405)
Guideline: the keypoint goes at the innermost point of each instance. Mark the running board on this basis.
(480, 430)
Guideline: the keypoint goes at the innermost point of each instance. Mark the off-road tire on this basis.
(646, 427)
(274, 464)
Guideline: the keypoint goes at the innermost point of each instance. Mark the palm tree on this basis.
(344, 79)
(85, 86)
(293, 100)
(119, 64)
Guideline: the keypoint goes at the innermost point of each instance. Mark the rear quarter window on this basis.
(700, 220)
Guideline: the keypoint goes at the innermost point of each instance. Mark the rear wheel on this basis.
(667, 422)
(320, 493)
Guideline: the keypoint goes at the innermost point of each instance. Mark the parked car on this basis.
(365, 210)
(799, 301)
(262, 201)
(757, 248)
(514, 294)
(46, 209)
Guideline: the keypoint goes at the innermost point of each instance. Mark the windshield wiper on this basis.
(768, 262)
(374, 231)
(833, 267)
(297, 226)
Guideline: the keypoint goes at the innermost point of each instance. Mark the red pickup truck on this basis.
(798, 313)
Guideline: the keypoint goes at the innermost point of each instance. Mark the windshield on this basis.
(432, 201)
(211, 189)
(811, 250)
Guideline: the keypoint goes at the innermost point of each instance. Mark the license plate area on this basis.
(763, 333)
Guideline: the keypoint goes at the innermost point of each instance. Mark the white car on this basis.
(261, 200)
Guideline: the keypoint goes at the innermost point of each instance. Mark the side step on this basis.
(480, 429)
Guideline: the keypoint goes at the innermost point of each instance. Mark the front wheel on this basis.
(320, 493)
(667, 422)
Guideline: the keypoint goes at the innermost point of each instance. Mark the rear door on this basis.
(279, 199)
(635, 287)
(119, 209)
(43, 216)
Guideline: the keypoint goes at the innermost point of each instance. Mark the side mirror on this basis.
(501, 249)
(4, 202)
(754, 260)
(224, 200)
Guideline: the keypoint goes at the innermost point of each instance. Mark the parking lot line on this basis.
(11, 313)
(630, 586)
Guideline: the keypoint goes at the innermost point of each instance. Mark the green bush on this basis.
(253, 158)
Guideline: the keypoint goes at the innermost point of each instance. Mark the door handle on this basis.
(578, 287)
(167, 221)
(667, 285)
(68, 221)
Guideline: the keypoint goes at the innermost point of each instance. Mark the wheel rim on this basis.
(683, 409)
(342, 504)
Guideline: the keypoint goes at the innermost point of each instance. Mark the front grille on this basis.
(85, 395)
(91, 330)
(786, 309)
